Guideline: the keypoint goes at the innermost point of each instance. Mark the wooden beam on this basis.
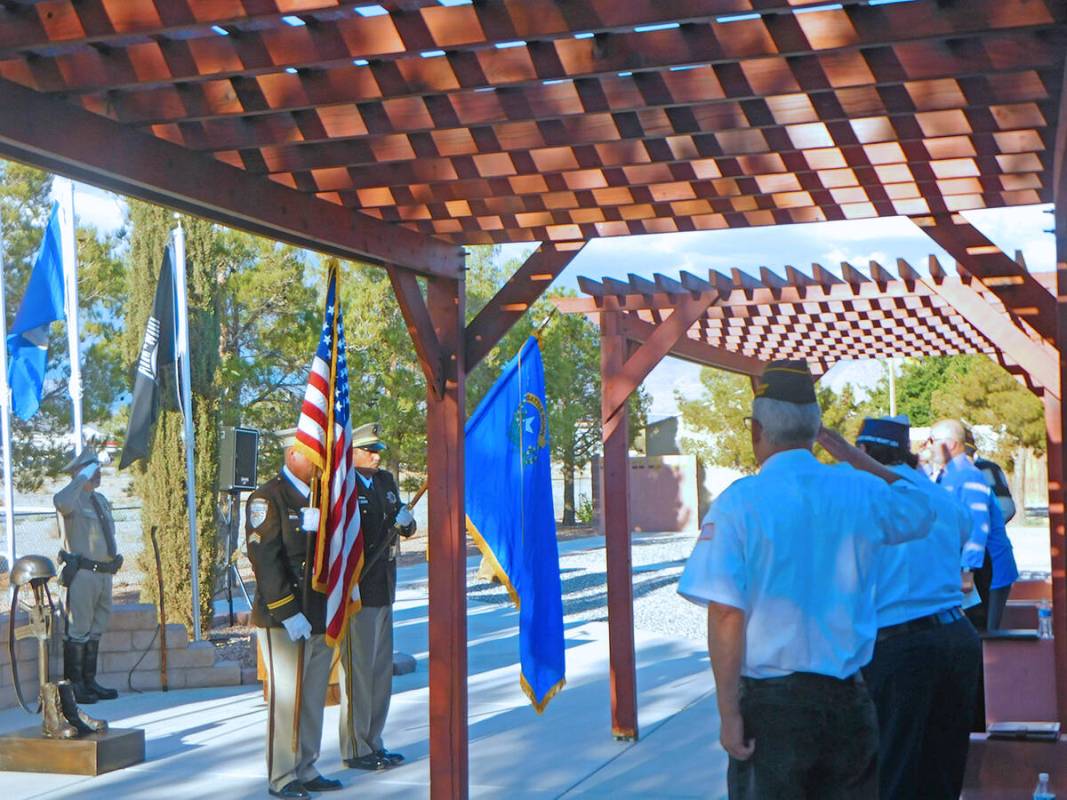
(689, 349)
(1038, 358)
(55, 135)
(515, 297)
(445, 418)
(1016, 288)
(615, 511)
(420, 327)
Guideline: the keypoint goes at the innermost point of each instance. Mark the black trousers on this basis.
(816, 739)
(924, 685)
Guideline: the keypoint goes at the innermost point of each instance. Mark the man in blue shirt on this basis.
(786, 565)
(924, 674)
(988, 554)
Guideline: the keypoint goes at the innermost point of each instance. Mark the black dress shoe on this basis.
(321, 784)
(392, 758)
(294, 790)
(371, 762)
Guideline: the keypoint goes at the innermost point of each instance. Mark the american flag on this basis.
(324, 435)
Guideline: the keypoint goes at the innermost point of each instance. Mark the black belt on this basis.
(108, 567)
(921, 624)
(804, 678)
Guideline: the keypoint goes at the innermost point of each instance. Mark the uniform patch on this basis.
(257, 512)
(391, 497)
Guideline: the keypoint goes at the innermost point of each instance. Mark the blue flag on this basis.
(510, 515)
(42, 305)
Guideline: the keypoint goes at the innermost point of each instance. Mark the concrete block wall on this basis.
(128, 644)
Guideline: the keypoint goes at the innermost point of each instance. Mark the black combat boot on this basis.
(92, 651)
(74, 671)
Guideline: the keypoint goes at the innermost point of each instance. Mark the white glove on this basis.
(88, 471)
(298, 627)
(404, 517)
(309, 519)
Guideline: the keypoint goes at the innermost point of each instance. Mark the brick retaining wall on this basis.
(189, 664)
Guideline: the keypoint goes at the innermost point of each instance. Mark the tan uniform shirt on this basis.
(83, 533)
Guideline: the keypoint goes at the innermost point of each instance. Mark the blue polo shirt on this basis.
(796, 548)
(922, 577)
(968, 484)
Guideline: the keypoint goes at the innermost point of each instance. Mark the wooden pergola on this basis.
(739, 323)
(394, 133)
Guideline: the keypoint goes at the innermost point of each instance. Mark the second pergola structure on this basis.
(740, 322)
(396, 132)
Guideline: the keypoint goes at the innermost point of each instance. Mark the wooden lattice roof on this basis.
(565, 120)
(823, 317)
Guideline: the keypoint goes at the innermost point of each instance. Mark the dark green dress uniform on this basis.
(367, 651)
(278, 549)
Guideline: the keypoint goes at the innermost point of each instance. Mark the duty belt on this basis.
(921, 624)
(108, 567)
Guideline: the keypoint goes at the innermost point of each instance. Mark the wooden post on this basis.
(1054, 412)
(447, 533)
(615, 507)
(436, 325)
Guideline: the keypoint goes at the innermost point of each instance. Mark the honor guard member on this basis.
(91, 559)
(280, 530)
(924, 674)
(988, 554)
(367, 650)
(786, 564)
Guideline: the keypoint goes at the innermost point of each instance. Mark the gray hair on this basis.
(787, 424)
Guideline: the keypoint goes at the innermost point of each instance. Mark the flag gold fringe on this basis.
(487, 552)
(540, 705)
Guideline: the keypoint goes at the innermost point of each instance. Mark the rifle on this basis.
(393, 534)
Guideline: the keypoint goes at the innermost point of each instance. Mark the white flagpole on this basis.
(69, 249)
(5, 424)
(182, 351)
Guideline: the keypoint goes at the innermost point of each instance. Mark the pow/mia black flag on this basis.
(154, 369)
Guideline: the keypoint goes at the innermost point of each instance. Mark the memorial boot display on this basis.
(54, 724)
(74, 671)
(92, 652)
(74, 715)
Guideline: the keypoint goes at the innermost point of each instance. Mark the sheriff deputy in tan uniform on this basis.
(90, 557)
(367, 650)
(290, 622)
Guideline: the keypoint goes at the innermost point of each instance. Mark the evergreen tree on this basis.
(161, 481)
(39, 445)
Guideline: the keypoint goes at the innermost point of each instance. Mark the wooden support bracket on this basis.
(658, 345)
(521, 291)
(420, 326)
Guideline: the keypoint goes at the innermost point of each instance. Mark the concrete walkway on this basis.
(209, 742)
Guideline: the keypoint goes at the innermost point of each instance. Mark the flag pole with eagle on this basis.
(324, 436)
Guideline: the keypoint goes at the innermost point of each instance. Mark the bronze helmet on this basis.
(32, 568)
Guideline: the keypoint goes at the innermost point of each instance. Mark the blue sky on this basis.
(828, 244)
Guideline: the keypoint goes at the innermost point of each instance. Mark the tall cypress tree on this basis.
(160, 483)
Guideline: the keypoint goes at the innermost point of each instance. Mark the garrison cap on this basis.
(886, 431)
(83, 459)
(788, 381)
(368, 437)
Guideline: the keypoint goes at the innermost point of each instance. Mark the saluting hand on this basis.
(732, 737)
